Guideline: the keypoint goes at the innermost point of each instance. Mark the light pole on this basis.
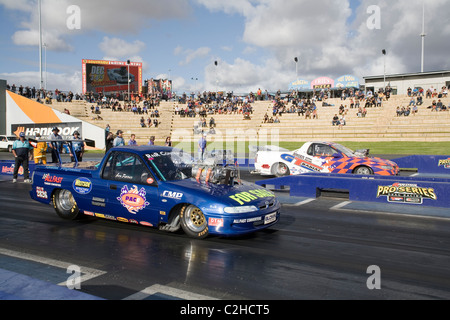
(296, 67)
(384, 53)
(45, 65)
(129, 97)
(423, 35)
(40, 45)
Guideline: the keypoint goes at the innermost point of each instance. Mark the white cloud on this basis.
(116, 47)
(191, 55)
(330, 40)
(61, 81)
(126, 18)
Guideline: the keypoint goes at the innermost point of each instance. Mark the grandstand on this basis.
(380, 123)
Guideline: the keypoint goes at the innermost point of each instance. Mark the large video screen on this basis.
(101, 76)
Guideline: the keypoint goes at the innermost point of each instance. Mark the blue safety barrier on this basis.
(426, 164)
(433, 192)
(7, 168)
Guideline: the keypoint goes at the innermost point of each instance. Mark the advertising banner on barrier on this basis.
(420, 191)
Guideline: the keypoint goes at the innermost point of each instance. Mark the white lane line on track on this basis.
(87, 273)
(301, 203)
(169, 291)
(340, 205)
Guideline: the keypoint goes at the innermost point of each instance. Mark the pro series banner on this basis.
(102, 76)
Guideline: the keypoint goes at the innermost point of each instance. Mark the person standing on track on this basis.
(40, 151)
(55, 136)
(21, 151)
(78, 147)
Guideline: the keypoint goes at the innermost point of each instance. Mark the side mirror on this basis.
(337, 155)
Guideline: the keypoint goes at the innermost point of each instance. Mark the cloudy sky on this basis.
(253, 41)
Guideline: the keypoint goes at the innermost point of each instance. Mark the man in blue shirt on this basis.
(202, 147)
(133, 142)
(78, 147)
(55, 136)
(119, 141)
(21, 151)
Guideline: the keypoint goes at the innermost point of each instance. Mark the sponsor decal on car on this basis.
(406, 193)
(249, 220)
(52, 180)
(146, 224)
(246, 197)
(215, 222)
(41, 193)
(133, 200)
(82, 186)
(444, 163)
(172, 195)
(301, 163)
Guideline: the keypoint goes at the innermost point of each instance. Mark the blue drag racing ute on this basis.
(158, 187)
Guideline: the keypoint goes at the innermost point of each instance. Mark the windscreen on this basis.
(171, 166)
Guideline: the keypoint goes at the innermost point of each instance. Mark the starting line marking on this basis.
(168, 291)
(301, 203)
(87, 273)
(341, 205)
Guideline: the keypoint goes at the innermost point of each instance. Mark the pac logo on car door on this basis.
(133, 200)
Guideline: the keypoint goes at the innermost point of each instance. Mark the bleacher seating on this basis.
(380, 123)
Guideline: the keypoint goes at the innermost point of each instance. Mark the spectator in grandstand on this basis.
(335, 121)
(407, 111)
(276, 120)
(142, 122)
(132, 142)
(168, 142)
(119, 141)
(342, 122)
(212, 123)
(151, 141)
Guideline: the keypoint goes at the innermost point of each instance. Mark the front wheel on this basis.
(65, 205)
(194, 222)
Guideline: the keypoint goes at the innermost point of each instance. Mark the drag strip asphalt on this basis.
(322, 248)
